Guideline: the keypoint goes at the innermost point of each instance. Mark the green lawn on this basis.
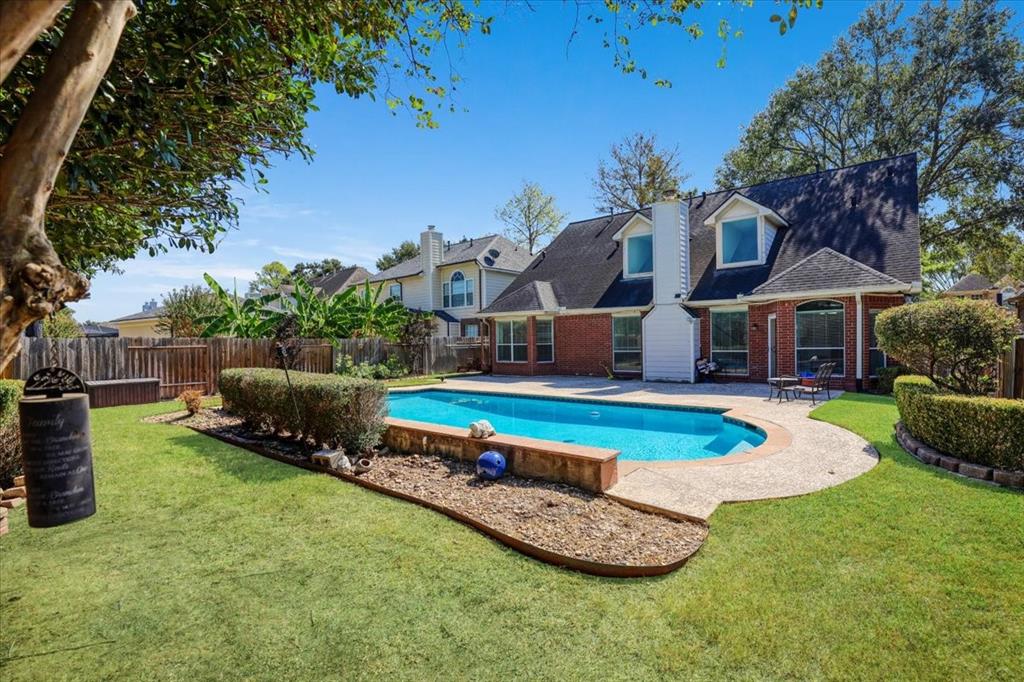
(206, 561)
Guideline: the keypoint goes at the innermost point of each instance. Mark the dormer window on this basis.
(639, 255)
(744, 232)
(740, 242)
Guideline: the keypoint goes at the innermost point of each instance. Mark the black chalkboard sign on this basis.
(57, 459)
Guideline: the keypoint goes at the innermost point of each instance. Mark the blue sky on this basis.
(537, 109)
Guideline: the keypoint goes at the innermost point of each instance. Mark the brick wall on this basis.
(583, 347)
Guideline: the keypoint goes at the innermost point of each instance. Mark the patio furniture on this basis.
(784, 385)
(706, 369)
(820, 384)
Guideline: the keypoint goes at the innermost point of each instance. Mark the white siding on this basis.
(670, 340)
(471, 271)
(494, 284)
(769, 237)
(414, 291)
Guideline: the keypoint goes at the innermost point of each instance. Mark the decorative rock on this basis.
(344, 464)
(19, 480)
(481, 429)
(13, 502)
(362, 466)
(976, 471)
(950, 463)
(17, 491)
(1014, 479)
(928, 455)
(327, 458)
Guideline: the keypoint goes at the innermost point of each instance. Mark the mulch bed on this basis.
(555, 517)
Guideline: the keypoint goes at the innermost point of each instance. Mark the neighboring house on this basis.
(980, 287)
(454, 281)
(765, 280)
(340, 280)
(142, 324)
(98, 331)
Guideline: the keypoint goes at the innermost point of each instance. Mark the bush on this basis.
(987, 431)
(192, 399)
(392, 368)
(956, 342)
(332, 410)
(887, 377)
(10, 438)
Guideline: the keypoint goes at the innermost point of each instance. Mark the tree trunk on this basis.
(33, 282)
(21, 23)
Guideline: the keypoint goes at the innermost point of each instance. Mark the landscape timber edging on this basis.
(530, 550)
(932, 457)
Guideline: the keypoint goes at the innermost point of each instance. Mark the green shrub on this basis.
(984, 430)
(392, 368)
(956, 342)
(10, 438)
(332, 410)
(887, 376)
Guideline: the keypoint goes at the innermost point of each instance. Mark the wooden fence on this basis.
(182, 364)
(1011, 371)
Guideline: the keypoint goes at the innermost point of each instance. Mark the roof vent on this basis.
(488, 261)
(494, 253)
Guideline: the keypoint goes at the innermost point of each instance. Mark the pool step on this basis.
(650, 487)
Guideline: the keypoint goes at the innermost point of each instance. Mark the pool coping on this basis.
(777, 438)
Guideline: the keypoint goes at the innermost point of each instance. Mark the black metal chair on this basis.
(820, 384)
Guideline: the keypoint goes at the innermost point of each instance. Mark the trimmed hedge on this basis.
(10, 439)
(887, 377)
(332, 410)
(987, 431)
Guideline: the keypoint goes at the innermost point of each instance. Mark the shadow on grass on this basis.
(245, 465)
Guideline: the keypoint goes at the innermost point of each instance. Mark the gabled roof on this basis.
(491, 251)
(972, 282)
(825, 269)
(738, 197)
(340, 280)
(144, 315)
(867, 213)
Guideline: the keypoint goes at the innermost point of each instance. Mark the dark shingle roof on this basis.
(867, 213)
(339, 280)
(825, 269)
(491, 251)
(972, 282)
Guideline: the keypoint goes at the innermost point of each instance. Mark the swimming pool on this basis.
(640, 432)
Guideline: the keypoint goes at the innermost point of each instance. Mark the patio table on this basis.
(782, 386)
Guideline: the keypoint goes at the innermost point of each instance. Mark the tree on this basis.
(61, 325)
(956, 342)
(272, 276)
(315, 269)
(186, 309)
(199, 99)
(636, 175)
(245, 318)
(947, 83)
(398, 254)
(530, 217)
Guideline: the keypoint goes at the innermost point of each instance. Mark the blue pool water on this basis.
(640, 432)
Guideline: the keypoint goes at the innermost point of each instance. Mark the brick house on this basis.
(765, 280)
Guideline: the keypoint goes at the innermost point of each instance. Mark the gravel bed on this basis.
(553, 516)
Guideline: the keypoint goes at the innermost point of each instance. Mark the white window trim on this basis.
(640, 349)
(535, 344)
(719, 225)
(625, 255)
(871, 332)
(447, 284)
(796, 336)
(512, 345)
(711, 337)
(400, 291)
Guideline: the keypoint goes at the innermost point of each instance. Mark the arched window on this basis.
(820, 336)
(457, 291)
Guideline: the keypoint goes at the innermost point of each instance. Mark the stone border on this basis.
(932, 457)
(777, 438)
(521, 546)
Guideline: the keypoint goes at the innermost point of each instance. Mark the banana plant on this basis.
(374, 317)
(247, 318)
(320, 317)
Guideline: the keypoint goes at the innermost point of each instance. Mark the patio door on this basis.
(773, 354)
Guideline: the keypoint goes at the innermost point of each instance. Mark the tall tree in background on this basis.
(271, 276)
(61, 325)
(200, 97)
(636, 174)
(186, 310)
(398, 254)
(315, 269)
(530, 217)
(947, 82)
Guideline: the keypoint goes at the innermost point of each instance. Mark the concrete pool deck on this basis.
(817, 455)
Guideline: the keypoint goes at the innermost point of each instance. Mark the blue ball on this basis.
(490, 466)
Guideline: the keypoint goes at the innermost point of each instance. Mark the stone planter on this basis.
(932, 457)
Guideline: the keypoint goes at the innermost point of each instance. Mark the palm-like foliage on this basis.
(373, 317)
(248, 318)
(319, 317)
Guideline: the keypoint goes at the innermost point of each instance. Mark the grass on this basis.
(205, 561)
(424, 380)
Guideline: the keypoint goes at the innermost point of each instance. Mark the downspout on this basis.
(860, 343)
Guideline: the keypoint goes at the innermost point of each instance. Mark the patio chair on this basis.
(706, 369)
(782, 386)
(820, 383)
